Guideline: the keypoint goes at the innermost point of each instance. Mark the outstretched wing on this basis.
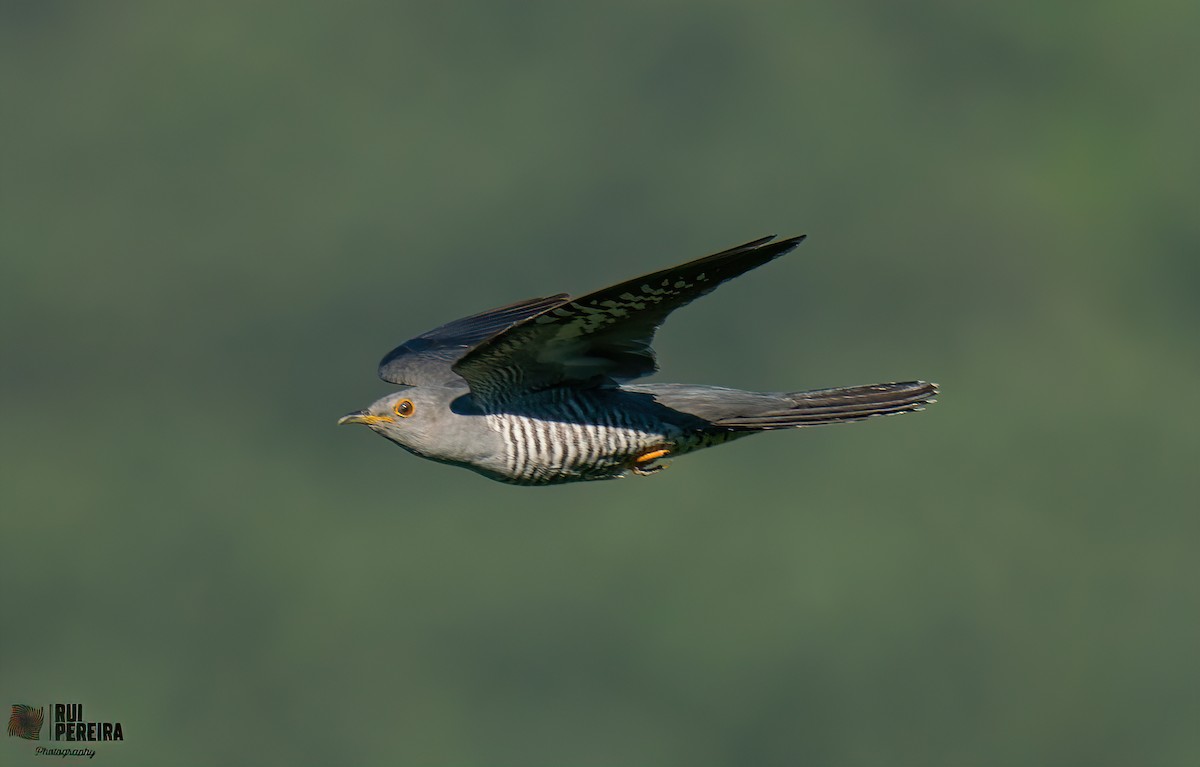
(604, 336)
(426, 359)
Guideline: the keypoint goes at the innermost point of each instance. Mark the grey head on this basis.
(430, 421)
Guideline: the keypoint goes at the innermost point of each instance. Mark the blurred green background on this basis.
(217, 217)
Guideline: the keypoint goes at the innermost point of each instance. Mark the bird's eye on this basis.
(404, 408)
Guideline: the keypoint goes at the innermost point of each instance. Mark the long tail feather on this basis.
(851, 403)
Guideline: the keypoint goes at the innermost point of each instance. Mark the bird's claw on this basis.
(644, 465)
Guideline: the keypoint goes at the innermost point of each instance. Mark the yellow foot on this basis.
(644, 463)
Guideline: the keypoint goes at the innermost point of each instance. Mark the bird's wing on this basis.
(604, 336)
(426, 359)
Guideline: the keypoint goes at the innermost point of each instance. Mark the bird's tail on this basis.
(849, 403)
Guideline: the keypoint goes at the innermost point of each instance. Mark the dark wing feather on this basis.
(426, 359)
(605, 336)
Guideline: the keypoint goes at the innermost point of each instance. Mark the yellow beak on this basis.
(364, 418)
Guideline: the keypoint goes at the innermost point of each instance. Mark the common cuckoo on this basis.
(538, 392)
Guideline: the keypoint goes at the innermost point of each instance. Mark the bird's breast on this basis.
(573, 440)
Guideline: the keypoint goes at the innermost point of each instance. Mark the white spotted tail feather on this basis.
(841, 405)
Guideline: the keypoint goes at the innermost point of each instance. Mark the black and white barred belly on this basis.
(582, 437)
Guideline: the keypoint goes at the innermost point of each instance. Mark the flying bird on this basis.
(538, 392)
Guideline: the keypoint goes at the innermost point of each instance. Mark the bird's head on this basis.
(409, 417)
